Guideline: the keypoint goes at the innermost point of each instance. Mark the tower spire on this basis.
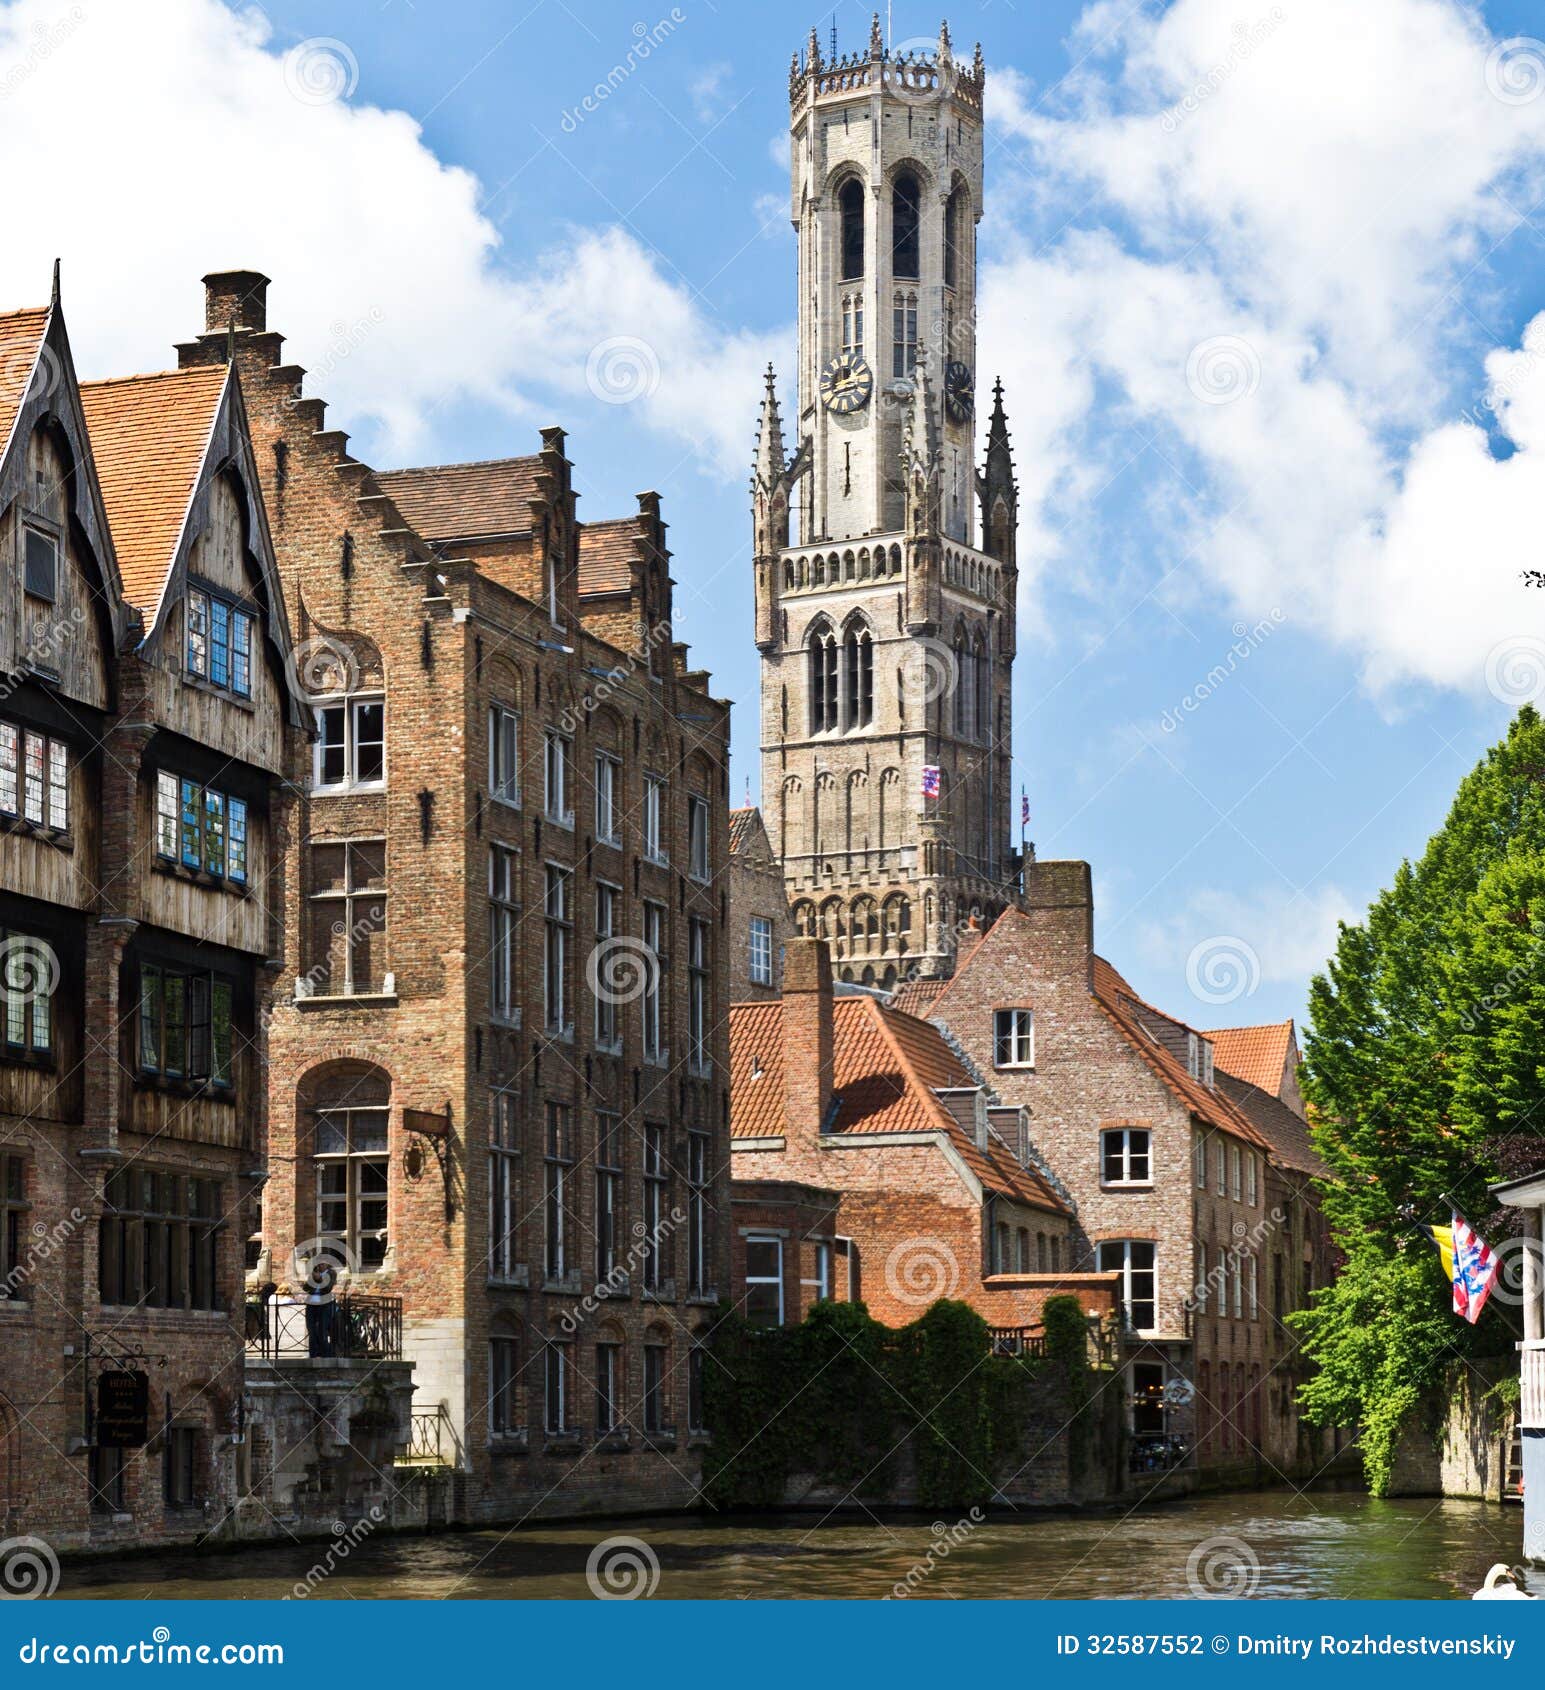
(995, 485)
(920, 454)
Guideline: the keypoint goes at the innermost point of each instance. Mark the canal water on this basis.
(1267, 1544)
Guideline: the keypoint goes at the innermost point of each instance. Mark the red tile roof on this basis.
(1256, 1055)
(149, 438)
(917, 997)
(21, 335)
(607, 553)
(465, 501)
(742, 828)
(886, 1068)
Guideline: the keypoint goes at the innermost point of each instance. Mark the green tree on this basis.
(1424, 1072)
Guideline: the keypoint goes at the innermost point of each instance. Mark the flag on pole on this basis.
(930, 780)
(1024, 809)
(1469, 1264)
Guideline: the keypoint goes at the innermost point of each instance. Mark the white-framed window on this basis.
(34, 777)
(1199, 1058)
(608, 1385)
(699, 950)
(558, 1387)
(560, 807)
(1239, 1286)
(1125, 1156)
(1252, 1288)
(219, 647)
(351, 1182)
(346, 945)
(1252, 1176)
(699, 818)
(503, 1377)
(1222, 1279)
(1133, 1259)
(653, 1001)
(40, 561)
(699, 1232)
(557, 930)
(1220, 1167)
(503, 755)
(504, 1166)
(608, 1027)
(1199, 1159)
(764, 1281)
(560, 1193)
(1199, 1289)
(655, 1243)
(200, 828)
(350, 751)
(503, 928)
(1236, 1172)
(608, 777)
(654, 818)
(608, 1194)
(1013, 1038)
(761, 950)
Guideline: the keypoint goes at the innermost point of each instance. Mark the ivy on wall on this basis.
(841, 1395)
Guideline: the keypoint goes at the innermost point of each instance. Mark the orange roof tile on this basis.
(1256, 1055)
(886, 1069)
(149, 436)
(465, 501)
(607, 551)
(742, 825)
(21, 335)
(917, 997)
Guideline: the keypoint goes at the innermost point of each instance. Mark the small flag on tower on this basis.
(930, 780)
(1024, 808)
(1469, 1264)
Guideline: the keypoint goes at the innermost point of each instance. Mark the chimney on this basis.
(1059, 899)
(235, 296)
(807, 1035)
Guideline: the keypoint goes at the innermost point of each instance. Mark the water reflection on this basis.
(1319, 1544)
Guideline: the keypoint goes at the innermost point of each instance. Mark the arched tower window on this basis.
(906, 213)
(979, 676)
(823, 680)
(850, 205)
(858, 666)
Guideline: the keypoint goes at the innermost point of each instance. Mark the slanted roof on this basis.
(1287, 1130)
(149, 438)
(465, 501)
(607, 553)
(1256, 1055)
(742, 828)
(887, 1067)
(21, 337)
(917, 997)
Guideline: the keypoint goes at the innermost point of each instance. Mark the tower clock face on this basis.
(958, 397)
(846, 383)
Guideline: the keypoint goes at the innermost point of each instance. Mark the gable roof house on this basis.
(146, 732)
(936, 1194)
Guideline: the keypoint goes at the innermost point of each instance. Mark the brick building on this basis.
(1192, 1187)
(886, 621)
(145, 727)
(498, 1069)
(759, 911)
(938, 1193)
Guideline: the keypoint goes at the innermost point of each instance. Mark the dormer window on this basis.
(1199, 1058)
(219, 643)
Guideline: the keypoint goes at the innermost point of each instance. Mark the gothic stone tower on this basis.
(887, 628)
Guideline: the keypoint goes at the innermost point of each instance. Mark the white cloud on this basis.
(202, 145)
(1316, 193)
(711, 93)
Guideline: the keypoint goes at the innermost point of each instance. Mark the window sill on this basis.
(505, 802)
(566, 822)
(141, 1311)
(608, 1047)
(566, 1285)
(344, 788)
(664, 1292)
(510, 1443)
(517, 1279)
(656, 861)
(559, 1034)
(705, 1299)
(610, 841)
(509, 1019)
(174, 870)
(12, 1056)
(20, 1304)
(700, 1070)
(562, 1443)
(664, 1440)
(59, 837)
(616, 1442)
(224, 694)
(1126, 1185)
(347, 1000)
(657, 1059)
(221, 1090)
(1013, 1067)
(701, 879)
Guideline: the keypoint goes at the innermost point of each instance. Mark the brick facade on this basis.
(459, 902)
(759, 912)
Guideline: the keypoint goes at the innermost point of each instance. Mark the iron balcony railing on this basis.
(347, 1327)
(1017, 1341)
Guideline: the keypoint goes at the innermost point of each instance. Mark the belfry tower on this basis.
(885, 618)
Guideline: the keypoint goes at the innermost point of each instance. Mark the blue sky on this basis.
(1251, 272)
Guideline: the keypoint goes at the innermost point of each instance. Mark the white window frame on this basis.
(1252, 1179)
(504, 1181)
(557, 942)
(350, 704)
(1199, 1160)
(608, 1020)
(652, 1003)
(1220, 1167)
(1128, 1154)
(503, 932)
(766, 1279)
(608, 782)
(1236, 1182)
(655, 808)
(760, 940)
(1127, 1272)
(1252, 1288)
(557, 757)
(1014, 1029)
(504, 755)
(699, 839)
